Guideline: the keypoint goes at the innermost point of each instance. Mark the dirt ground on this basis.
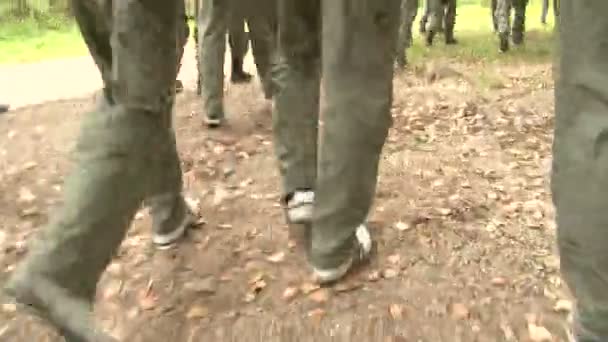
(463, 220)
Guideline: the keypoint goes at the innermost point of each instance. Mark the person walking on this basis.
(331, 192)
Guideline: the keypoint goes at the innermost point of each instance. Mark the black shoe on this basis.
(179, 86)
(4, 108)
(504, 43)
(518, 38)
(450, 40)
(429, 38)
(240, 76)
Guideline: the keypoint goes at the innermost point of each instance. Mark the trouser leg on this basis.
(262, 41)
(123, 154)
(359, 38)
(297, 77)
(580, 158)
(519, 20)
(213, 26)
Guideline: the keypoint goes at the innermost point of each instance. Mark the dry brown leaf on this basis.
(316, 315)
(460, 311)
(26, 195)
(499, 281)
(374, 276)
(563, 305)
(307, 288)
(320, 295)
(346, 286)
(402, 226)
(394, 259)
(539, 333)
(276, 257)
(389, 273)
(396, 311)
(147, 301)
(290, 293)
(444, 211)
(197, 312)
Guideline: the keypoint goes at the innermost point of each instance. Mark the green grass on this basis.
(478, 43)
(32, 40)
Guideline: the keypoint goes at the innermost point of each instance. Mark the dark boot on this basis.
(4, 108)
(429, 38)
(238, 74)
(504, 42)
(179, 86)
(449, 38)
(518, 38)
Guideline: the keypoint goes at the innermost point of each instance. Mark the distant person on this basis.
(409, 10)
(503, 21)
(442, 16)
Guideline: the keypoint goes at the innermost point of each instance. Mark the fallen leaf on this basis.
(563, 305)
(389, 273)
(147, 301)
(396, 311)
(444, 211)
(316, 315)
(374, 276)
(276, 257)
(307, 288)
(394, 259)
(197, 312)
(539, 333)
(290, 293)
(346, 286)
(402, 226)
(459, 311)
(320, 295)
(499, 281)
(26, 195)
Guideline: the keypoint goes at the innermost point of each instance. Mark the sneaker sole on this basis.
(301, 214)
(164, 242)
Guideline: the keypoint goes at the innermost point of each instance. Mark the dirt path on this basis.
(35, 83)
(463, 221)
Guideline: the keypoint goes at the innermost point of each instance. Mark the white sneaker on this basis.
(300, 207)
(361, 251)
(168, 240)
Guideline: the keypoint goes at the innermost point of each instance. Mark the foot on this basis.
(214, 122)
(518, 39)
(429, 38)
(449, 40)
(300, 206)
(4, 108)
(167, 240)
(240, 76)
(41, 297)
(362, 248)
(504, 43)
(179, 86)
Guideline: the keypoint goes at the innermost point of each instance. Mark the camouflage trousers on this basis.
(503, 18)
(126, 154)
(214, 21)
(409, 10)
(442, 15)
(580, 159)
(358, 39)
